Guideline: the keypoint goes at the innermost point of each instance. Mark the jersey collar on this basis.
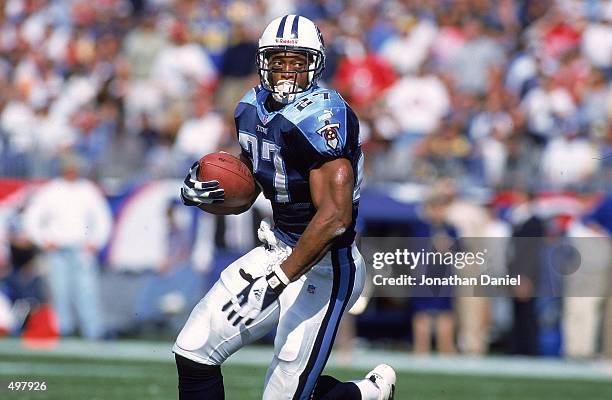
(266, 116)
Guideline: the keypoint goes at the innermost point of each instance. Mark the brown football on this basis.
(233, 175)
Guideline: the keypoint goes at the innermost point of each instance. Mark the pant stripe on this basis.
(344, 277)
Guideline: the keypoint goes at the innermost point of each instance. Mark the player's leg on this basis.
(88, 295)
(199, 381)
(311, 309)
(379, 384)
(331, 388)
(60, 277)
(445, 332)
(421, 328)
(207, 339)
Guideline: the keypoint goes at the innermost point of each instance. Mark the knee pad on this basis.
(198, 381)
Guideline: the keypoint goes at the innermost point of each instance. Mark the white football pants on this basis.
(306, 315)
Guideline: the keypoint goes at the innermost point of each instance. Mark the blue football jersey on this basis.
(285, 145)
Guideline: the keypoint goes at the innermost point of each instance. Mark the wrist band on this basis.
(281, 275)
(277, 279)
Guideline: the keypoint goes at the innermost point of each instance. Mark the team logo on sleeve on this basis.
(329, 132)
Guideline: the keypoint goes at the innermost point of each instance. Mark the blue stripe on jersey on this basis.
(294, 27)
(281, 27)
(344, 279)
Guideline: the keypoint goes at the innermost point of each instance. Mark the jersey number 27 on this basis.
(269, 152)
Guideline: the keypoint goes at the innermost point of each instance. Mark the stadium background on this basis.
(482, 106)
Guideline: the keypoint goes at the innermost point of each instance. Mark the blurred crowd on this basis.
(496, 94)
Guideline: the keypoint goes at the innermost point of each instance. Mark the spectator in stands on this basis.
(522, 168)
(201, 133)
(489, 130)
(70, 220)
(143, 43)
(408, 50)
(569, 161)
(238, 68)
(544, 106)
(522, 69)
(362, 76)
(442, 153)
(418, 102)
(141, 47)
(450, 36)
(17, 122)
(605, 150)
(93, 137)
(471, 64)
(54, 134)
(596, 43)
(183, 65)
(594, 94)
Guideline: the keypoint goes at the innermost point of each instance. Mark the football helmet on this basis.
(291, 34)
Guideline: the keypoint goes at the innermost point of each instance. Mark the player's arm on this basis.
(331, 188)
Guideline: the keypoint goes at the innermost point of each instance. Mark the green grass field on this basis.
(69, 378)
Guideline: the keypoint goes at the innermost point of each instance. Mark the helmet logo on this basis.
(329, 132)
(286, 41)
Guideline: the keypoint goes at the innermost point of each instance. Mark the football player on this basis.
(302, 144)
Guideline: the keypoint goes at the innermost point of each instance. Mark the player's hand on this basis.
(258, 295)
(195, 192)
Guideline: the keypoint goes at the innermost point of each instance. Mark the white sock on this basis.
(369, 391)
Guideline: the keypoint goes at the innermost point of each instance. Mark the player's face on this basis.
(286, 66)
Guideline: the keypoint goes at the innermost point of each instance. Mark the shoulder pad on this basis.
(313, 104)
(321, 117)
(250, 97)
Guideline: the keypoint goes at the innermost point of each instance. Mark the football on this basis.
(233, 175)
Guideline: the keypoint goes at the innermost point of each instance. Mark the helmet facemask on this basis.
(285, 91)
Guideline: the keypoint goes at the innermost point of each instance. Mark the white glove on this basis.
(258, 295)
(195, 192)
